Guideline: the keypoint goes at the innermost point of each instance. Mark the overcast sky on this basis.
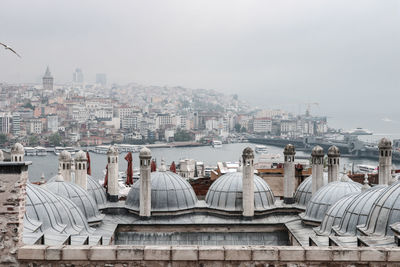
(342, 54)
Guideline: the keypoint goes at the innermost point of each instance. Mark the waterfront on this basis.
(210, 156)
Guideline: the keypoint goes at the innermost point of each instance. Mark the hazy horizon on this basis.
(278, 54)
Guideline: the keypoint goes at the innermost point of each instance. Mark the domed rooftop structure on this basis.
(17, 148)
(226, 193)
(333, 151)
(79, 196)
(317, 151)
(54, 212)
(289, 149)
(80, 156)
(384, 212)
(325, 197)
(304, 191)
(357, 211)
(333, 215)
(145, 152)
(169, 192)
(112, 150)
(384, 143)
(64, 156)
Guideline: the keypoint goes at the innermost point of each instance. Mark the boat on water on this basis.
(30, 151)
(128, 148)
(359, 131)
(367, 168)
(216, 144)
(100, 149)
(58, 149)
(41, 151)
(261, 149)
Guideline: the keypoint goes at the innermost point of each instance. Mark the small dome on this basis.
(226, 193)
(248, 153)
(169, 192)
(357, 211)
(385, 143)
(79, 196)
(289, 150)
(54, 212)
(317, 151)
(112, 150)
(384, 212)
(64, 156)
(304, 191)
(333, 215)
(17, 148)
(80, 156)
(321, 201)
(333, 151)
(145, 152)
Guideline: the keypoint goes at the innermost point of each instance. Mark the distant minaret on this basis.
(145, 183)
(81, 169)
(385, 161)
(48, 81)
(333, 163)
(289, 174)
(248, 182)
(17, 153)
(317, 155)
(65, 165)
(113, 190)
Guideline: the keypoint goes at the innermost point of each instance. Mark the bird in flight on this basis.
(9, 48)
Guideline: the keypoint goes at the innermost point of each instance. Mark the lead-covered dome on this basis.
(303, 192)
(333, 151)
(385, 143)
(384, 212)
(357, 211)
(80, 156)
(323, 199)
(79, 196)
(226, 193)
(169, 192)
(64, 156)
(317, 151)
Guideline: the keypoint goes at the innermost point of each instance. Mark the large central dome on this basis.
(169, 192)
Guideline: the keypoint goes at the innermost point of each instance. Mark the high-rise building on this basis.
(78, 76)
(101, 78)
(52, 123)
(5, 122)
(16, 123)
(48, 80)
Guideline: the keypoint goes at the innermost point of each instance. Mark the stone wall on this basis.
(13, 178)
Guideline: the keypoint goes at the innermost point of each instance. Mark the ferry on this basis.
(359, 131)
(101, 149)
(128, 148)
(261, 149)
(58, 149)
(367, 168)
(41, 151)
(216, 144)
(30, 151)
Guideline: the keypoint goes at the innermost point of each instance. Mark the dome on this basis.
(145, 152)
(248, 153)
(17, 148)
(64, 156)
(169, 192)
(226, 193)
(321, 201)
(333, 151)
(357, 211)
(317, 151)
(333, 215)
(384, 212)
(112, 150)
(385, 143)
(289, 150)
(80, 156)
(54, 212)
(304, 191)
(79, 196)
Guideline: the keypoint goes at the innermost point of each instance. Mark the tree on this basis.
(29, 105)
(3, 139)
(243, 129)
(55, 139)
(237, 127)
(182, 135)
(33, 140)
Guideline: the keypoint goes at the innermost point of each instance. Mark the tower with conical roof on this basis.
(48, 80)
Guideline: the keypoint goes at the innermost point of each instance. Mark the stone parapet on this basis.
(206, 255)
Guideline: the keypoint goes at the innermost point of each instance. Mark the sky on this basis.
(344, 55)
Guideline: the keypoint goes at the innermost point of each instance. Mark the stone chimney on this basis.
(17, 153)
(385, 161)
(81, 169)
(317, 156)
(65, 165)
(1, 155)
(248, 182)
(333, 163)
(145, 183)
(113, 188)
(289, 174)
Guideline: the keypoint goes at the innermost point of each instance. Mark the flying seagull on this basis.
(9, 48)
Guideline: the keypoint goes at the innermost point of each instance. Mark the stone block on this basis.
(264, 253)
(211, 253)
(372, 254)
(155, 253)
(295, 254)
(130, 253)
(185, 253)
(77, 253)
(34, 252)
(237, 253)
(318, 253)
(346, 254)
(53, 253)
(393, 254)
(103, 253)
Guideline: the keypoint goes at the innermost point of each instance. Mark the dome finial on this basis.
(163, 168)
(366, 185)
(59, 178)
